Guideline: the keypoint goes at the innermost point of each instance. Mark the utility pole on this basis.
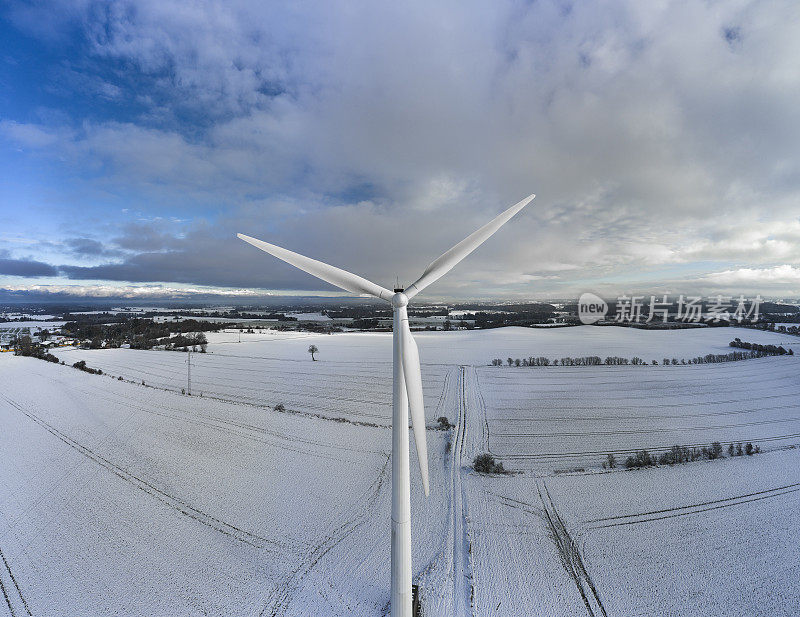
(189, 373)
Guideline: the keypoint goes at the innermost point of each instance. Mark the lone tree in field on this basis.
(312, 349)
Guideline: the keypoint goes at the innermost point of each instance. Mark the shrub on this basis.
(444, 423)
(280, 407)
(642, 458)
(81, 366)
(611, 461)
(485, 463)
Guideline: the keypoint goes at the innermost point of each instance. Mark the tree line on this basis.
(758, 351)
(138, 333)
(677, 455)
(768, 350)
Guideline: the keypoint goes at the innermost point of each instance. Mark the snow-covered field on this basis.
(479, 347)
(707, 538)
(123, 499)
(33, 325)
(558, 418)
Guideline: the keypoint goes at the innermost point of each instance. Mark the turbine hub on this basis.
(399, 299)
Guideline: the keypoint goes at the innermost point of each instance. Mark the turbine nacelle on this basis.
(399, 299)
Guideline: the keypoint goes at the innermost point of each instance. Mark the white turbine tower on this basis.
(407, 386)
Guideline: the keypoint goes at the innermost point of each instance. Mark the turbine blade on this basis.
(330, 274)
(413, 379)
(448, 260)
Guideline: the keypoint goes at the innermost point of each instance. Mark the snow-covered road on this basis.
(462, 564)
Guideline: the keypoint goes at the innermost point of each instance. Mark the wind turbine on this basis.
(407, 384)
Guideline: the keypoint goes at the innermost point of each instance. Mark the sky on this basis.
(138, 137)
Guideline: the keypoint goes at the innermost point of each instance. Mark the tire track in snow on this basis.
(175, 503)
(336, 399)
(706, 506)
(570, 555)
(647, 431)
(281, 598)
(690, 416)
(482, 405)
(12, 594)
(287, 441)
(567, 547)
(587, 453)
(440, 402)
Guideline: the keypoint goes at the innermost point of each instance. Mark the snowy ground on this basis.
(710, 538)
(123, 499)
(556, 418)
(479, 347)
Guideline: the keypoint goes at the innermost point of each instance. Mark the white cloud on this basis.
(775, 276)
(30, 135)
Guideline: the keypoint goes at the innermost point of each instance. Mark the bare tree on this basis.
(312, 349)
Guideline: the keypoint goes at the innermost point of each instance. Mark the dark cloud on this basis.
(86, 247)
(162, 296)
(201, 258)
(360, 238)
(25, 267)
